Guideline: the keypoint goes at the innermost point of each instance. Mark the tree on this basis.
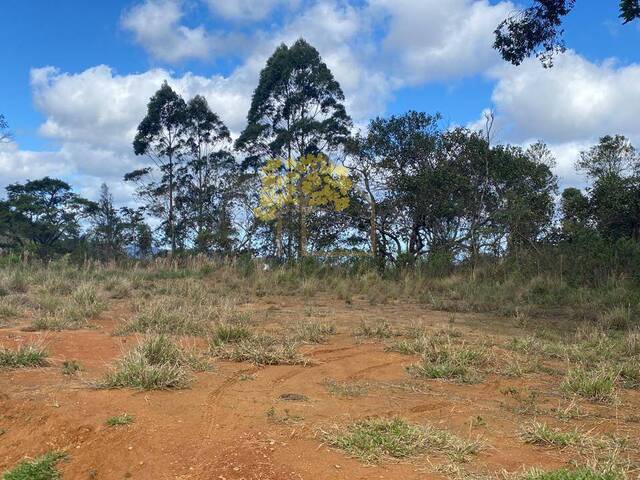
(296, 109)
(47, 213)
(160, 136)
(309, 182)
(208, 180)
(613, 155)
(108, 228)
(538, 29)
(5, 135)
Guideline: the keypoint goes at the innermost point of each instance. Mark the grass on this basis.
(118, 420)
(597, 385)
(154, 364)
(538, 433)
(229, 333)
(261, 350)
(70, 367)
(27, 355)
(42, 468)
(450, 362)
(578, 474)
(380, 330)
(345, 389)
(376, 439)
(310, 331)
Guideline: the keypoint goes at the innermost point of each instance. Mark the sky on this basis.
(75, 76)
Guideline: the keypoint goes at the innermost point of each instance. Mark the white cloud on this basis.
(248, 10)
(574, 100)
(435, 40)
(156, 25)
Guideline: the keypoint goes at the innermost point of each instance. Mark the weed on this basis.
(27, 355)
(124, 419)
(42, 468)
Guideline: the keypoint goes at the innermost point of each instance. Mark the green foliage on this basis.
(42, 468)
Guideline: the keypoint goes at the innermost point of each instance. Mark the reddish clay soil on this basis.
(219, 428)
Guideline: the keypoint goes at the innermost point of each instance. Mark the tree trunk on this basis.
(171, 226)
(373, 228)
(302, 218)
(279, 249)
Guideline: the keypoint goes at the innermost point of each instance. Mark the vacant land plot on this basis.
(167, 373)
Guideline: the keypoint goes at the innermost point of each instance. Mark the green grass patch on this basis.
(597, 385)
(565, 474)
(261, 350)
(42, 468)
(449, 362)
(155, 364)
(27, 355)
(538, 433)
(310, 331)
(118, 420)
(376, 439)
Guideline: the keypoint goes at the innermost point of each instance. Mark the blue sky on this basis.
(76, 75)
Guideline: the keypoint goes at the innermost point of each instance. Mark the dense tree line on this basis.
(300, 181)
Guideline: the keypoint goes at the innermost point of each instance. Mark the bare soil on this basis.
(220, 428)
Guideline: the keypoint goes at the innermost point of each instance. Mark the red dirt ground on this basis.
(219, 428)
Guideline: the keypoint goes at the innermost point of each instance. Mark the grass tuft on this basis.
(118, 420)
(597, 385)
(155, 364)
(450, 362)
(27, 355)
(42, 468)
(261, 350)
(313, 332)
(373, 440)
(538, 433)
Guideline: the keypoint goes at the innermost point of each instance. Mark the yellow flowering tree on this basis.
(305, 183)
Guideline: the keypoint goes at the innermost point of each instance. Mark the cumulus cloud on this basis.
(569, 106)
(156, 26)
(574, 100)
(435, 40)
